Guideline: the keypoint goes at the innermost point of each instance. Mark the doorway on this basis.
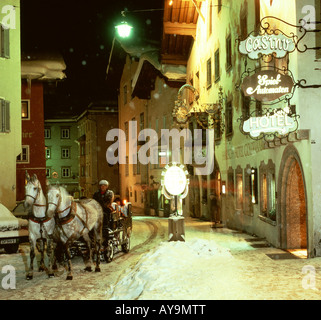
(293, 204)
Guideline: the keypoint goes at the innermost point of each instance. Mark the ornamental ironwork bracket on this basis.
(207, 115)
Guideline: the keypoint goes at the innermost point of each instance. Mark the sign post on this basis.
(175, 187)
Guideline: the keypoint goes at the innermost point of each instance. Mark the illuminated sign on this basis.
(254, 46)
(267, 85)
(278, 122)
(175, 180)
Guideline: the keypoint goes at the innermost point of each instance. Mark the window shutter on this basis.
(7, 114)
(2, 116)
(1, 41)
(7, 43)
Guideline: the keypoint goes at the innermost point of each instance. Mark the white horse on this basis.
(41, 226)
(75, 220)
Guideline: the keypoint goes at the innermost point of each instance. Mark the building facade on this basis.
(61, 153)
(267, 186)
(10, 100)
(145, 102)
(36, 72)
(93, 125)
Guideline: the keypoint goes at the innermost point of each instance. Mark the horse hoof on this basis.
(41, 269)
(97, 269)
(88, 269)
(29, 277)
(51, 275)
(69, 278)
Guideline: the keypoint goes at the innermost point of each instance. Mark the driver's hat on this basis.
(103, 182)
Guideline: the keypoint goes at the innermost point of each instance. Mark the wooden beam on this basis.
(185, 29)
(174, 59)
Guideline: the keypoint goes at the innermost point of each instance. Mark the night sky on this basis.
(82, 32)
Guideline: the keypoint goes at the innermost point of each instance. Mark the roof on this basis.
(179, 30)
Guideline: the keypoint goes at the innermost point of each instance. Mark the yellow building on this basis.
(146, 99)
(10, 99)
(269, 187)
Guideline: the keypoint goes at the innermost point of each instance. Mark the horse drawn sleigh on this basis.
(116, 234)
(65, 226)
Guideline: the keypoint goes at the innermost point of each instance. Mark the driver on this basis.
(105, 198)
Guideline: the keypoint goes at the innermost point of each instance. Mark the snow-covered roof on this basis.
(43, 68)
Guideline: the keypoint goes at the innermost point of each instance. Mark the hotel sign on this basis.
(254, 46)
(278, 122)
(267, 85)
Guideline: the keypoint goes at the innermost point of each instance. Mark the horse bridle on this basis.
(35, 199)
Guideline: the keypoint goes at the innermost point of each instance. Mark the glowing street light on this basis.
(124, 29)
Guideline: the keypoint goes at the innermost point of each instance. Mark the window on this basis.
(83, 171)
(65, 133)
(47, 133)
(239, 188)
(48, 173)
(219, 6)
(126, 167)
(228, 52)
(4, 42)
(125, 93)
(243, 20)
(141, 122)
(48, 152)
(209, 72)
(65, 153)
(257, 15)
(4, 116)
(230, 182)
(210, 18)
(268, 190)
(229, 118)
(25, 110)
(126, 130)
(246, 102)
(65, 172)
(258, 108)
(83, 149)
(24, 155)
(217, 65)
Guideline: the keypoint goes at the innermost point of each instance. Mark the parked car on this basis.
(13, 230)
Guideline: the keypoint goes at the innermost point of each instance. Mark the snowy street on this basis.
(212, 264)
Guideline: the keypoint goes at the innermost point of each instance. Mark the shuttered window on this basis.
(4, 42)
(4, 116)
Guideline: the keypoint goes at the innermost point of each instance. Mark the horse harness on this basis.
(70, 216)
(33, 218)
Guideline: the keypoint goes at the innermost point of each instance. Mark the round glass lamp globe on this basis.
(175, 180)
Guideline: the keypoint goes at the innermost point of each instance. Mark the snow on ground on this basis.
(176, 270)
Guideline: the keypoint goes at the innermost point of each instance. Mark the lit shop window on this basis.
(25, 110)
(268, 190)
(239, 188)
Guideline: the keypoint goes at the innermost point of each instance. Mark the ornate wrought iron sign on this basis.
(273, 123)
(277, 44)
(267, 85)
